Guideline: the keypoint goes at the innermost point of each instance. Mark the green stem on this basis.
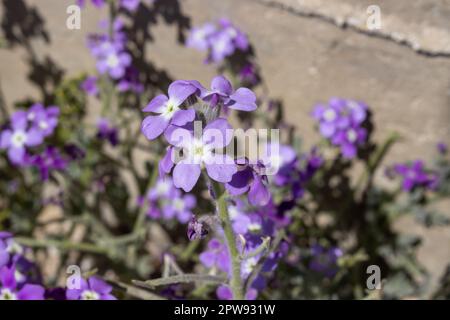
(236, 280)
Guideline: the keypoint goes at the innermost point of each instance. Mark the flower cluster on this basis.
(20, 280)
(176, 123)
(167, 202)
(415, 176)
(342, 123)
(220, 40)
(28, 129)
(254, 227)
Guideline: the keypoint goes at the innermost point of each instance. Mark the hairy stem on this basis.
(236, 280)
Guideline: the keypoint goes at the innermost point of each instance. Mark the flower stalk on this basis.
(236, 280)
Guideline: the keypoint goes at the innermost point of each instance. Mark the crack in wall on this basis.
(347, 25)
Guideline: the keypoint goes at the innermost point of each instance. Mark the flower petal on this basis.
(16, 155)
(31, 292)
(5, 139)
(181, 117)
(185, 176)
(222, 85)
(153, 126)
(157, 104)
(221, 169)
(259, 194)
(180, 90)
(218, 133)
(99, 285)
(243, 99)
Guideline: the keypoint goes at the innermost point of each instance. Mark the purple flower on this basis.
(216, 255)
(50, 159)
(199, 37)
(89, 85)
(414, 175)
(253, 180)
(341, 122)
(10, 289)
(325, 261)
(222, 93)
(92, 289)
(110, 52)
(114, 62)
(221, 40)
(43, 119)
(168, 109)
(19, 137)
(107, 132)
(179, 207)
(201, 151)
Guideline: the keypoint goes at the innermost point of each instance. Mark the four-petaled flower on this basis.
(168, 109)
(201, 152)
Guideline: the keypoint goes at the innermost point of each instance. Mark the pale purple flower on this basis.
(92, 289)
(168, 109)
(221, 40)
(19, 137)
(114, 62)
(341, 121)
(11, 290)
(89, 85)
(202, 151)
(180, 207)
(222, 93)
(43, 119)
(199, 37)
(216, 256)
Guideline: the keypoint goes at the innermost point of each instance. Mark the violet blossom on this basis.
(168, 109)
(221, 40)
(222, 93)
(43, 119)
(341, 122)
(179, 207)
(19, 137)
(93, 288)
(201, 152)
